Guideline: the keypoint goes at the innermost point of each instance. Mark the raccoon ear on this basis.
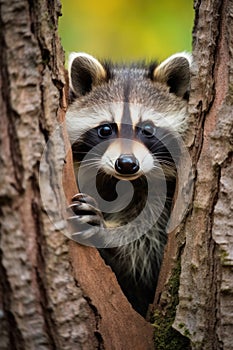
(175, 72)
(85, 72)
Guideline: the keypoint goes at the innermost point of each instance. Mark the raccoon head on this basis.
(132, 114)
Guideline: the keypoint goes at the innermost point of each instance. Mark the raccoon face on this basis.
(125, 156)
(128, 118)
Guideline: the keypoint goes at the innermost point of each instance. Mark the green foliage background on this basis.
(127, 29)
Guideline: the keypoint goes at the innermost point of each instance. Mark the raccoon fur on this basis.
(127, 119)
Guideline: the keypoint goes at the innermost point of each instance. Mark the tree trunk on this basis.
(204, 243)
(56, 294)
(47, 301)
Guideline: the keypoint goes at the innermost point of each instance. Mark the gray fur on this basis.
(129, 95)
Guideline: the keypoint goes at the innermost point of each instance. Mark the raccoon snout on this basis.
(127, 164)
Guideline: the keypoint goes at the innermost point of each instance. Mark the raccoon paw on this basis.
(86, 213)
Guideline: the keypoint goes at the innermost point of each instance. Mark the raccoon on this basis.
(124, 122)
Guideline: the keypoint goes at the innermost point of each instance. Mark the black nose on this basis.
(127, 164)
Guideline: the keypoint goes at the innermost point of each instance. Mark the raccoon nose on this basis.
(127, 164)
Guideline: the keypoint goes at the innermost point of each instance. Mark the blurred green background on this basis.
(127, 29)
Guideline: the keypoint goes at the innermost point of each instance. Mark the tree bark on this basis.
(204, 243)
(54, 294)
(41, 307)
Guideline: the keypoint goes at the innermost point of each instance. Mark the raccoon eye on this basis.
(148, 130)
(105, 131)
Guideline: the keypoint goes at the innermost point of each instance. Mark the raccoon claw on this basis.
(85, 212)
(84, 198)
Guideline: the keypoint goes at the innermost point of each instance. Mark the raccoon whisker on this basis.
(167, 162)
(156, 167)
(87, 163)
(163, 157)
(110, 161)
(159, 151)
(90, 166)
(95, 154)
(101, 171)
(162, 172)
(146, 156)
(90, 158)
(92, 151)
(162, 142)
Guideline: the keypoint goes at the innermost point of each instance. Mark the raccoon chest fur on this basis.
(126, 206)
(124, 124)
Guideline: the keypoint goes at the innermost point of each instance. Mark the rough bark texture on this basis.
(44, 302)
(205, 309)
(47, 302)
(41, 308)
